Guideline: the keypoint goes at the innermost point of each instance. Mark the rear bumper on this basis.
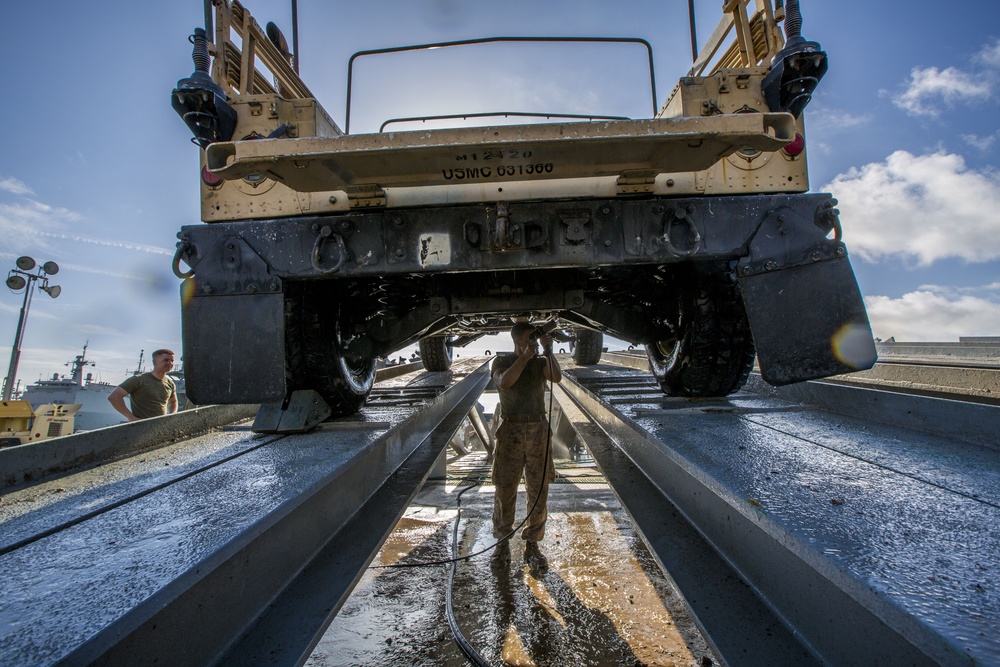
(502, 236)
(804, 306)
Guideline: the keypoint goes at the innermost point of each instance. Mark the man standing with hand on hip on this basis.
(152, 394)
(523, 437)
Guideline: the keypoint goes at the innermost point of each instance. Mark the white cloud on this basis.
(27, 226)
(935, 315)
(990, 55)
(99, 271)
(923, 207)
(983, 144)
(835, 119)
(125, 245)
(22, 225)
(95, 329)
(992, 289)
(929, 88)
(15, 186)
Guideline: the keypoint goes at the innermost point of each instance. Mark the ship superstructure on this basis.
(91, 394)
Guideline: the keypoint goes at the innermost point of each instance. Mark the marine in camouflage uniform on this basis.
(522, 439)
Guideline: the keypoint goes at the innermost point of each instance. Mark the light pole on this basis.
(22, 278)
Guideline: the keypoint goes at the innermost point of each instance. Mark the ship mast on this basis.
(78, 365)
(139, 368)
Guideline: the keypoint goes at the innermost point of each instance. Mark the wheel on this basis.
(321, 355)
(588, 348)
(713, 352)
(436, 352)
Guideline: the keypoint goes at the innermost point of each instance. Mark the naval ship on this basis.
(92, 395)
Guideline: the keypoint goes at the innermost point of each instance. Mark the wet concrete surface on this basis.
(602, 600)
(47, 505)
(904, 521)
(59, 591)
(104, 546)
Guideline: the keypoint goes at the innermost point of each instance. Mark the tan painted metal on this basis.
(758, 37)
(706, 140)
(945, 380)
(258, 116)
(734, 91)
(233, 66)
(509, 153)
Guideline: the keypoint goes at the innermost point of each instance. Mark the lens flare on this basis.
(853, 346)
(187, 291)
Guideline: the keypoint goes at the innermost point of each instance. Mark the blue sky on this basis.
(97, 174)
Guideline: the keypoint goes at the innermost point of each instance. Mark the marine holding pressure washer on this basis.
(523, 439)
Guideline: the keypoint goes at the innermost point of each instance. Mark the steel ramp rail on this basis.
(186, 569)
(870, 543)
(24, 465)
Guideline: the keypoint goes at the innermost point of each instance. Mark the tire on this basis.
(319, 355)
(436, 353)
(588, 348)
(713, 353)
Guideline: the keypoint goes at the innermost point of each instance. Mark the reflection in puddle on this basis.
(601, 601)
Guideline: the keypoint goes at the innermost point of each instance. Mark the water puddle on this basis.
(601, 601)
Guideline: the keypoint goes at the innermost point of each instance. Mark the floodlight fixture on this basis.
(22, 278)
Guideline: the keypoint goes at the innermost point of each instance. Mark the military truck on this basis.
(691, 232)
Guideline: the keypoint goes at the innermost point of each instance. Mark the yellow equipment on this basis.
(20, 424)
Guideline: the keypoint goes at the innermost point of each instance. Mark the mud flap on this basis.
(234, 348)
(808, 322)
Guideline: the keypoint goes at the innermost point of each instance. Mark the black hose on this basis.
(471, 653)
(793, 20)
(463, 644)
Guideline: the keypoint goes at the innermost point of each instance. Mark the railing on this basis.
(757, 37)
(235, 67)
(494, 40)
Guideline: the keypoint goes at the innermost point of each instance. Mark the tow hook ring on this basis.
(693, 235)
(182, 250)
(316, 258)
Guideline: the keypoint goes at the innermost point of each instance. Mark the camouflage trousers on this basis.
(522, 447)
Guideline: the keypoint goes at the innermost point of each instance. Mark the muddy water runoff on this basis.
(601, 601)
